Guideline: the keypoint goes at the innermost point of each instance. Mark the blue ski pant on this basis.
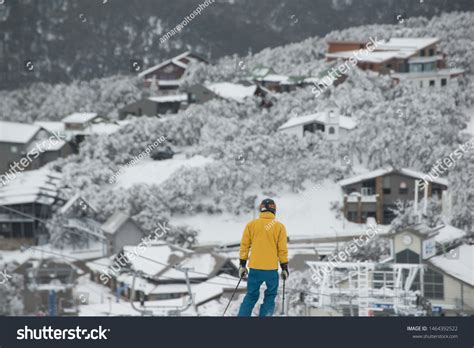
(255, 279)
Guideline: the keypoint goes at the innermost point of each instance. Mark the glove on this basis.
(284, 271)
(242, 269)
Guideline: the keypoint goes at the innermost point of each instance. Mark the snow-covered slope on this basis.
(305, 214)
(156, 172)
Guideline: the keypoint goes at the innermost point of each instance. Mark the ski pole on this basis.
(283, 304)
(232, 296)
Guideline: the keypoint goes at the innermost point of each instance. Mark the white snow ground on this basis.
(305, 214)
(148, 171)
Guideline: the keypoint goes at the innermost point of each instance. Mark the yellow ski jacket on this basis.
(265, 239)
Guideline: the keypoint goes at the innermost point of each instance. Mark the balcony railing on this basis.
(367, 191)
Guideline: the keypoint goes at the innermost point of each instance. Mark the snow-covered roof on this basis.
(427, 74)
(321, 117)
(101, 264)
(94, 128)
(261, 71)
(273, 78)
(169, 98)
(387, 170)
(201, 265)
(174, 60)
(155, 258)
(14, 132)
(114, 222)
(80, 117)
(31, 186)
(233, 91)
(149, 288)
(51, 126)
(370, 57)
(460, 267)
(448, 233)
(48, 145)
(404, 43)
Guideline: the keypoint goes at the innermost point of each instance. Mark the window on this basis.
(331, 130)
(422, 53)
(416, 67)
(14, 149)
(432, 83)
(429, 66)
(352, 216)
(403, 190)
(434, 284)
(431, 51)
(407, 256)
(386, 185)
(443, 82)
(313, 127)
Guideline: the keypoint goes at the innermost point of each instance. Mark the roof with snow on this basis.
(448, 233)
(202, 265)
(113, 223)
(169, 98)
(321, 117)
(369, 57)
(232, 91)
(262, 71)
(155, 258)
(47, 144)
(389, 170)
(461, 268)
(174, 60)
(80, 117)
(405, 43)
(434, 73)
(52, 126)
(387, 49)
(14, 132)
(31, 186)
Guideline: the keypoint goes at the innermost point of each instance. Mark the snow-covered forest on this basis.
(239, 153)
(242, 138)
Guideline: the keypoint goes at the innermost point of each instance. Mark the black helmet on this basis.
(268, 205)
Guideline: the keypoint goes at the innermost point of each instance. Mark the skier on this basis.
(265, 238)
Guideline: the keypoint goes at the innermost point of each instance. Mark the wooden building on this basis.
(375, 194)
(17, 142)
(330, 122)
(25, 205)
(412, 59)
(167, 75)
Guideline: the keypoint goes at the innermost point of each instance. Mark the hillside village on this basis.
(134, 205)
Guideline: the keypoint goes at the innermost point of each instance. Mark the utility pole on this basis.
(188, 284)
